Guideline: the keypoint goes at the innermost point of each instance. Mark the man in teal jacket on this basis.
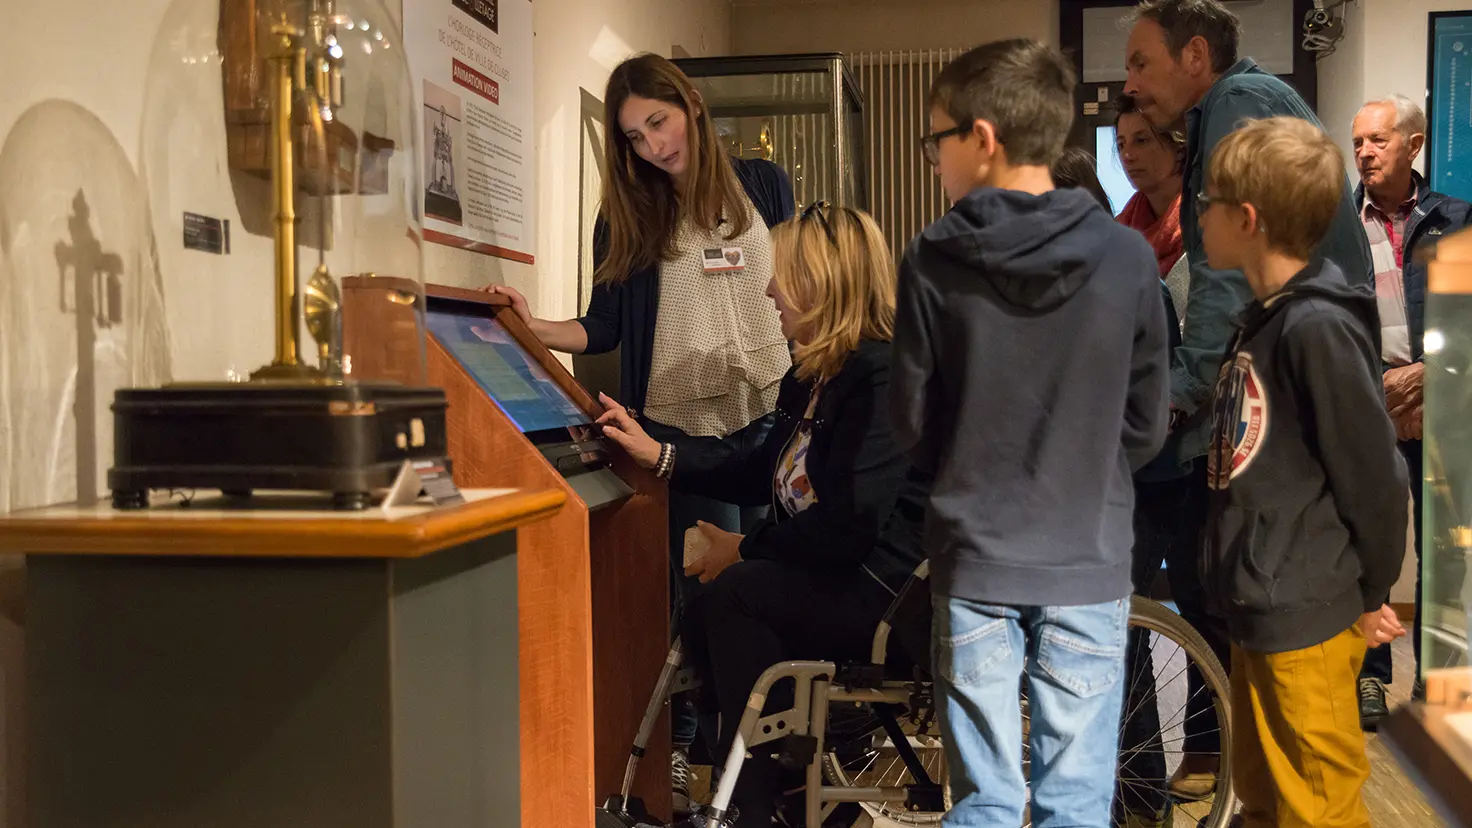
(1184, 74)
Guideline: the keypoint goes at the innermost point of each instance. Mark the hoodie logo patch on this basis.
(1239, 422)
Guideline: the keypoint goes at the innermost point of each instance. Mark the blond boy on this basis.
(1308, 503)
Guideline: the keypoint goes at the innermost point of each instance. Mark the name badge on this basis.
(724, 259)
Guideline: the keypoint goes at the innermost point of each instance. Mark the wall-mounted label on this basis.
(210, 235)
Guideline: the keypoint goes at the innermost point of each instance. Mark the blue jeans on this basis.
(1073, 658)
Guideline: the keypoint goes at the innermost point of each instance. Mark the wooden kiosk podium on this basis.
(592, 581)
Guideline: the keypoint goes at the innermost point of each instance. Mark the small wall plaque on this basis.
(210, 235)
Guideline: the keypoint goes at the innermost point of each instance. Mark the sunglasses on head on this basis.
(816, 209)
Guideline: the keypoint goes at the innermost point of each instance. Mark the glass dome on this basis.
(280, 156)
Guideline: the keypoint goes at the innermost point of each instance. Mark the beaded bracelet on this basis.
(666, 464)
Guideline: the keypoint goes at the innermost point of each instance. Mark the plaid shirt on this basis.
(1387, 237)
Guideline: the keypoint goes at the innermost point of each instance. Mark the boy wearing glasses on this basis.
(1030, 374)
(1307, 521)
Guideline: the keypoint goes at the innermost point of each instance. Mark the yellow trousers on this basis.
(1298, 755)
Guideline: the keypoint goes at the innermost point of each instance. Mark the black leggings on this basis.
(758, 613)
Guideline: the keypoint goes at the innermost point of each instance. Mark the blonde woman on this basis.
(813, 579)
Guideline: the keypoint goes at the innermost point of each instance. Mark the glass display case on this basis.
(281, 157)
(803, 112)
(1446, 545)
(1432, 737)
(280, 154)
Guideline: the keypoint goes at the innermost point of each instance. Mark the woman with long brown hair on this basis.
(683, 257)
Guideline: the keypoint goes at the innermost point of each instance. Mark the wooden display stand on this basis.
(593, 584)
(275, 663)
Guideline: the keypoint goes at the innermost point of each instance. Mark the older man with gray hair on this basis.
(1400, 213)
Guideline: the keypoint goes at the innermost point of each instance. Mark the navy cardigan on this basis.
(625, 313)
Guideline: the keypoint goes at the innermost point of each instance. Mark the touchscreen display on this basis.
(522, 388)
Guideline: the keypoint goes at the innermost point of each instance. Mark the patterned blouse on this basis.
(719, 353)
(792, 487)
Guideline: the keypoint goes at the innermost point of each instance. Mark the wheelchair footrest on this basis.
(925, 799)
(795, 751)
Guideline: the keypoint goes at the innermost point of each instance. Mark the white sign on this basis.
(473, 65)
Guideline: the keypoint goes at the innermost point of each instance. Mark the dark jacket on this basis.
(1217, 296)
(1307, 525)
(1030, 375)
(1164, 466)
(624, 314)
(870, 507)
(1435, 216)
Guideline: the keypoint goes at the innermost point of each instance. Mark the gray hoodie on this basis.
(1030, 374)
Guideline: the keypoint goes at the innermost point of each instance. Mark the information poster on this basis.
(473, 65)
(1449, 144)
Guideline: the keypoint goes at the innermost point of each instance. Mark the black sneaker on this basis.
(680, 781)
(1372, 704)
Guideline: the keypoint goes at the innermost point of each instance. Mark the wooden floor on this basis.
(1392, 799)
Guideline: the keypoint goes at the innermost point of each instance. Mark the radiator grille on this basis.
(904, 193)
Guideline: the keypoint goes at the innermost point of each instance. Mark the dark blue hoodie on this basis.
(1307, 525)
(1030, 374)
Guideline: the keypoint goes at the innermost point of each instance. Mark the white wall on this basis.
(1383, 53)
(779, 26)
(1342, 81)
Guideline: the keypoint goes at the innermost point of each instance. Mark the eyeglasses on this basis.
(816, 209)
(930, 144)
(1204, 202)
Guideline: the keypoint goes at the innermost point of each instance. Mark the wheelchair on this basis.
(867, 739)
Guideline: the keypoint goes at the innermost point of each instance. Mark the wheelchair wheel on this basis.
(1177, 703)
(862, 755)
(1172, 672)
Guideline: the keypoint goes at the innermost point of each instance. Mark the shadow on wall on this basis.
(81, 312)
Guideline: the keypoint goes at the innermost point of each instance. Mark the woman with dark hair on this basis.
(1152, 158)
(683, 258)
(1079, 168)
